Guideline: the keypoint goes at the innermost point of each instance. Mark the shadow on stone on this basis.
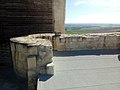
(44, 77)
(119, 57)
(85, 52)
(10, 81)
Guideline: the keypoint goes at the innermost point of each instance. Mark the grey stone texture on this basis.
(50, 69)
(84, 72)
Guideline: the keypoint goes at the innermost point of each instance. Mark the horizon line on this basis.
(92, 23)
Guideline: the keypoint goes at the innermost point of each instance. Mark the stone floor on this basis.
(83, 71)
(76, 70)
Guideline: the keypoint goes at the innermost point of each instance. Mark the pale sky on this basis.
(93, 11)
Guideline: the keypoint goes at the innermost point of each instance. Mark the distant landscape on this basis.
(91, 28)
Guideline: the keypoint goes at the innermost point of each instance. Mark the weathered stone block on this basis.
(41, 69)
(21, 48)
(73, 46)
(32, 80)
(62, 40)
(100, 44)
(19, 64)
(31, 73)
(74, 39)
(50, 69)
(61, 47)
(21, 72)
(79, 39)
(31, 63)
(42, 54)
(32, 50)
(22, 57)
(110, 42)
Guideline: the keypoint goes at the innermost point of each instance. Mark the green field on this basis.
(80, 31)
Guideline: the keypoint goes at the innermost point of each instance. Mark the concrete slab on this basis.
(83, 72)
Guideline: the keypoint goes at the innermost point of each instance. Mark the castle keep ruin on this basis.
(23, 17)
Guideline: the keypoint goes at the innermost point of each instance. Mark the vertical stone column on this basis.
(32, 65)
(59, 15)
(19, 57)
(56, 43)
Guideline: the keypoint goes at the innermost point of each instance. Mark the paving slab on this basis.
(83, 72)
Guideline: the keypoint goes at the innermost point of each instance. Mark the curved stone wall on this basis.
(38, 47)
(30, 54)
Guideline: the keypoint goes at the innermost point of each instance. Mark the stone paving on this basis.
(83, 72)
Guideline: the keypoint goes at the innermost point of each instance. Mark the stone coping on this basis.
(91, 34)
(69, 42)
(71, 35)
(30, 41)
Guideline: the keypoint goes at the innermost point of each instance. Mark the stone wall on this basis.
(87, 42)
(67, 42)
(5, 55)
(59, 15)
(31, 56)
(23, 17)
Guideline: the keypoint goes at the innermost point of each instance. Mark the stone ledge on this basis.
(91, 41)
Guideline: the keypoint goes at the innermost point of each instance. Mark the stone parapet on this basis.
(31, 56)
(93, 41)
(48, 36)
(88, 41)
